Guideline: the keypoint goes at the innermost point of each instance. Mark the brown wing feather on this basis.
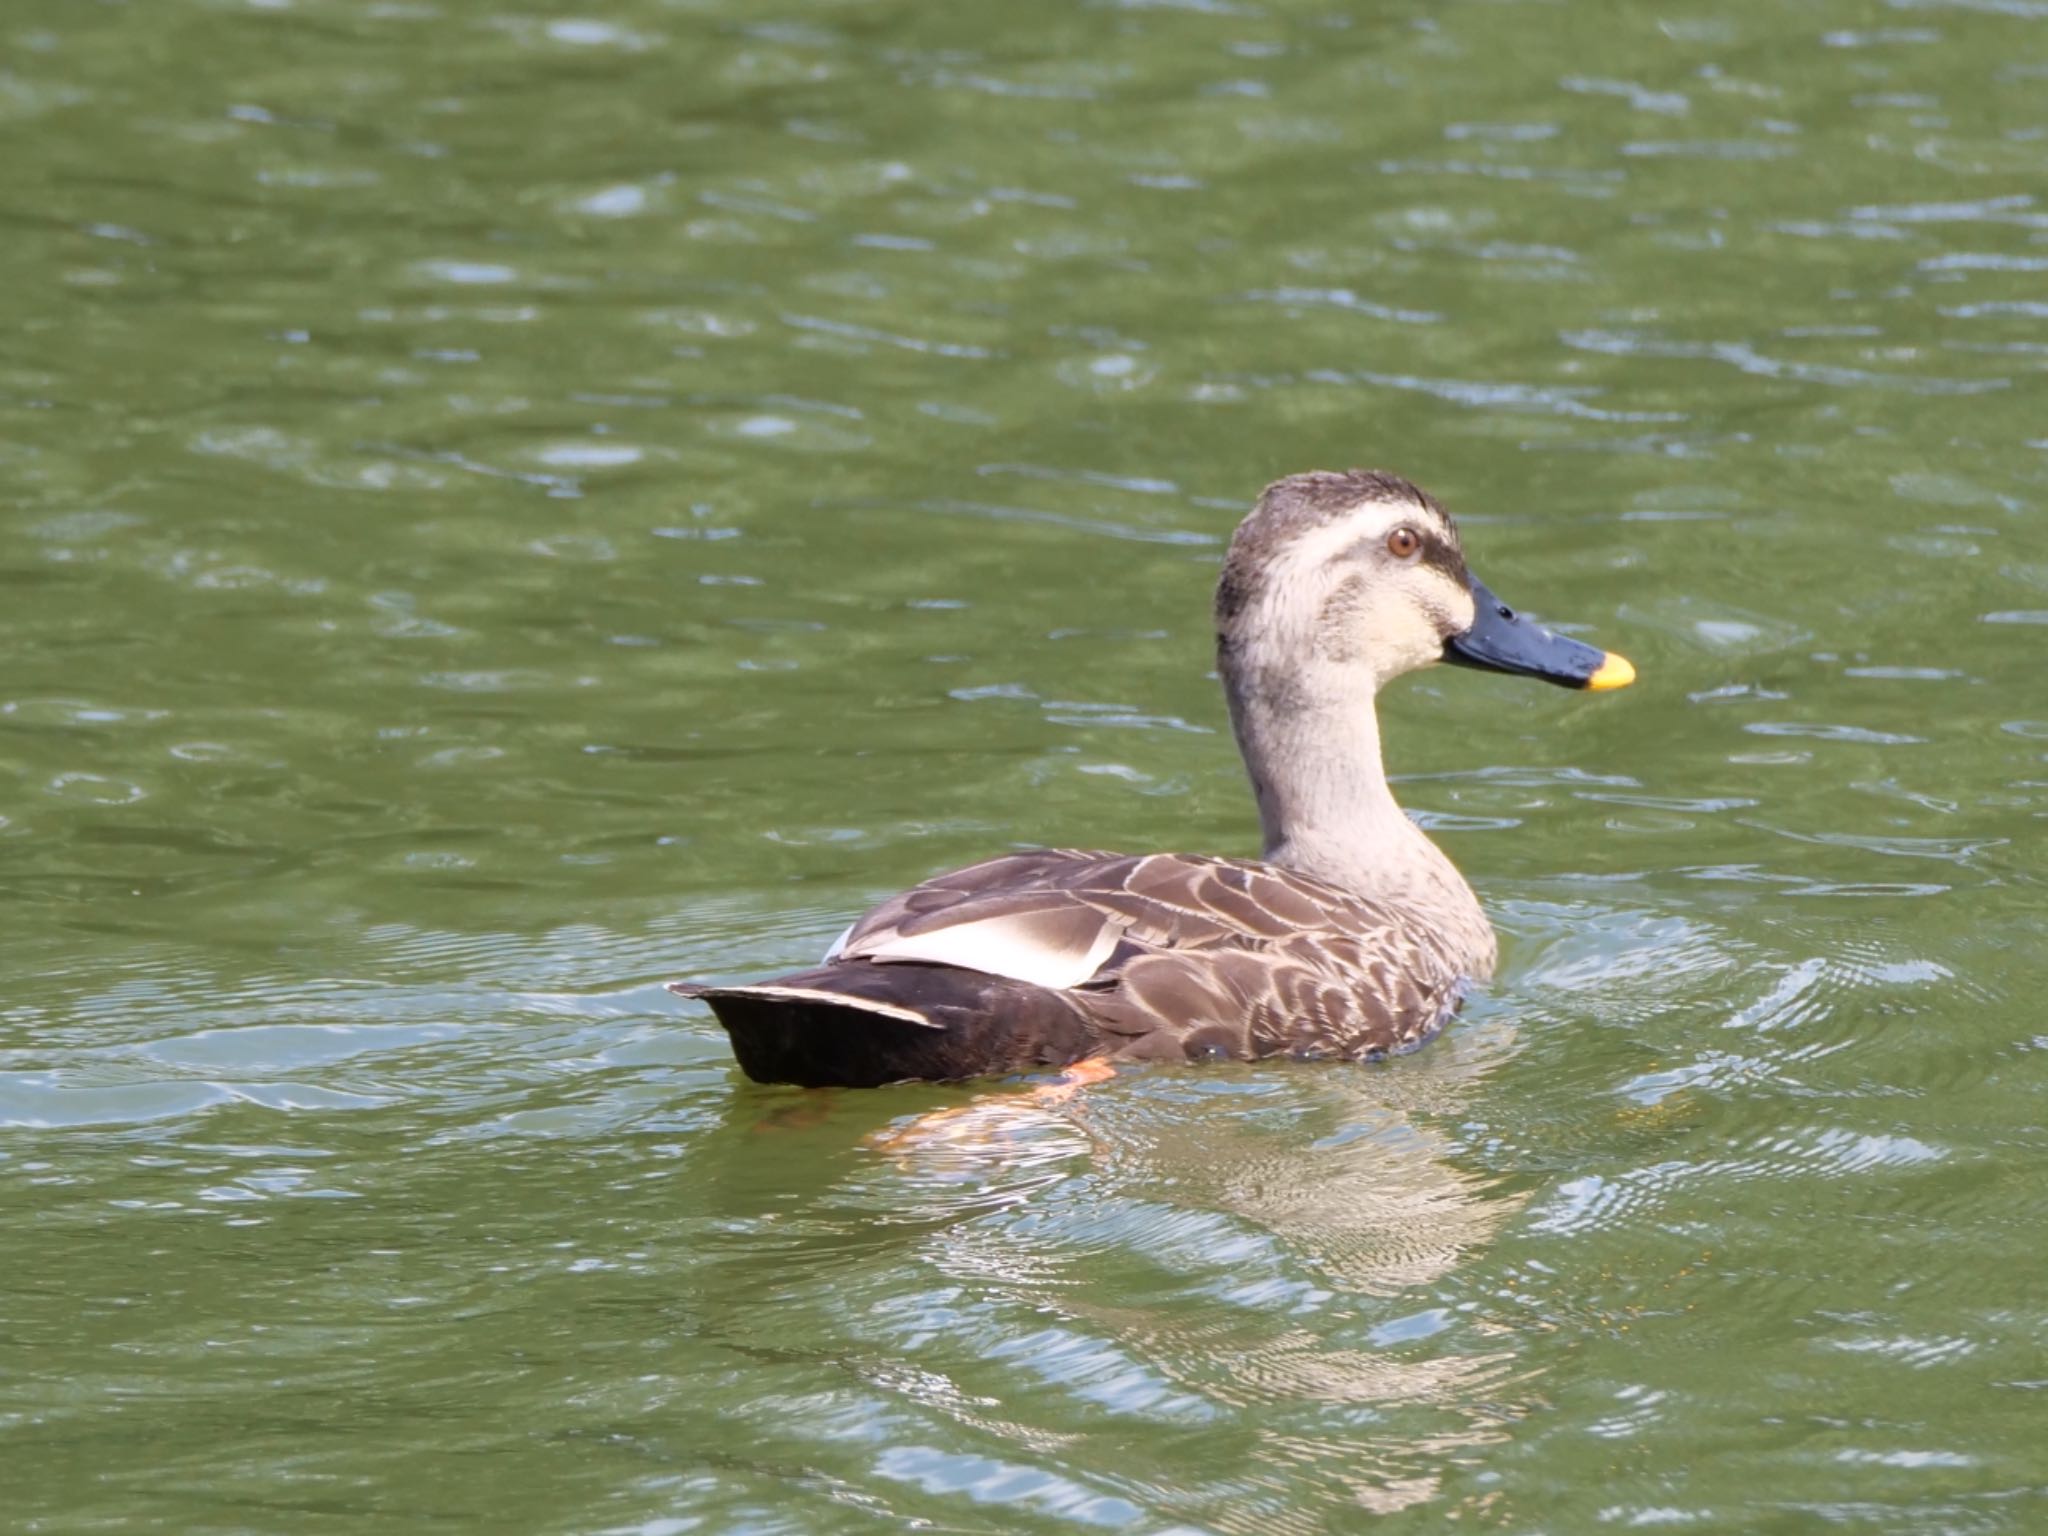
(1012, 882)
(1216, 956)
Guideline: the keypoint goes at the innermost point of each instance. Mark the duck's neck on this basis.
(1325, 808)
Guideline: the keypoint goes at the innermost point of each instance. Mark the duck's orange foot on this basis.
(1093, 1069)
(991, 1119)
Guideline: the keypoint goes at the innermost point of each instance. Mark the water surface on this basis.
(501, 508)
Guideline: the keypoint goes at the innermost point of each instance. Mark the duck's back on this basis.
(1139, 957)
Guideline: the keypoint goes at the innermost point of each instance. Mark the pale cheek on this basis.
(1426, 651)
(1394, 648)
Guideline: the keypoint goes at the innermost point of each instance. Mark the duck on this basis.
(1352, 937)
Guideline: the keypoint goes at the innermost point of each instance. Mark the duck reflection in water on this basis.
(1294, 1282)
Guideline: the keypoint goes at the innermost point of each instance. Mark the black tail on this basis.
(858, 1024)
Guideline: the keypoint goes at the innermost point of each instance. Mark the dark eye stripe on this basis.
(1436, 551)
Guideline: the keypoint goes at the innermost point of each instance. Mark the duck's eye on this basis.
(1404, 543)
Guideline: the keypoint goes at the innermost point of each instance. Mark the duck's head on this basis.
(1337, 576)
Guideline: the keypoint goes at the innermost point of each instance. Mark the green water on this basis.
(500, 509)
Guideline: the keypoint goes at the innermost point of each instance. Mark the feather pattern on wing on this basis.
(1191, 956)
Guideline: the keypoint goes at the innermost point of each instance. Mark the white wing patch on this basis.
(1057, 947)
(821, 995)
(838, 945)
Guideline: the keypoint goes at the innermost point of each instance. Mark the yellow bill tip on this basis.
(1614, 672)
